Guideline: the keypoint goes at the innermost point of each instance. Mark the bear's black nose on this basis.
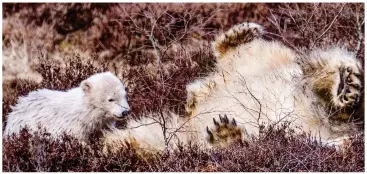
(125, 113)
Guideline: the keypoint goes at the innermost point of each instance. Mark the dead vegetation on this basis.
(273, 151)
(157, 49)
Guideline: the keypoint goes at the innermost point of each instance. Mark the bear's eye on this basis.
(111, 100)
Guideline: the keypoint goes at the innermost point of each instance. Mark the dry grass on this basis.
(273, 151)
(157, 49)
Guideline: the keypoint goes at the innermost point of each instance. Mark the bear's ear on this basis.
(86, 86)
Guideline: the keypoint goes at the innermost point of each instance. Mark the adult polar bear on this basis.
(99, 100)
(258, 82)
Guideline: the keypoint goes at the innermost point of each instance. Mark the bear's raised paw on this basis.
(225, 132)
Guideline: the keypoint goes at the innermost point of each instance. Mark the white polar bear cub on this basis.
(99, 100)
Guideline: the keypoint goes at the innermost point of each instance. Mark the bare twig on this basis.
(309, 19)
(328, 28)
(276, 23)
(359, 24)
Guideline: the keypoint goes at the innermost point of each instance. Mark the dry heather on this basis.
(273, 151)
(157, 49)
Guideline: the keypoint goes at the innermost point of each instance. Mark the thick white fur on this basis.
(259, 82)
(78, 111)
(147, 133)
(331, 60)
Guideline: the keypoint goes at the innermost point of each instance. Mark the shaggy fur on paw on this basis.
(225, 132)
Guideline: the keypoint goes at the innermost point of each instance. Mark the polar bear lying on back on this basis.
(258, 82)
(98, 101)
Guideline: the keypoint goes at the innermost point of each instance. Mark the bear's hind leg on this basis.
(235, 36)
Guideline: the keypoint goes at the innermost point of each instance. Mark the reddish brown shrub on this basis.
(158, 49)
(273, 151)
